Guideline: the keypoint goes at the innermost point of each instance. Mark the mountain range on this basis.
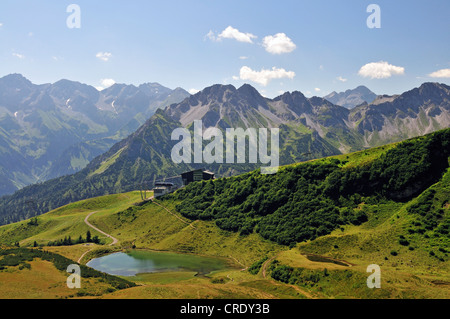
(309, 128)
(352, 98)
(51, 130)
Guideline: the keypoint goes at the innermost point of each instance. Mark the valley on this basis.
(310, 128)
(224, 158)
(412, 254)
(55, 129)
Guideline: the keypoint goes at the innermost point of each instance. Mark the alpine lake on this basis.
(134, 262)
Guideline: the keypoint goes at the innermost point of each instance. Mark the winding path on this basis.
(81, 257)
(266, 263)
(115, 240)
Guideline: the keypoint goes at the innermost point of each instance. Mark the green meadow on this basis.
(398, 236)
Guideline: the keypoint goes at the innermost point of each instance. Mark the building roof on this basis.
(164, 184)
(199, 169)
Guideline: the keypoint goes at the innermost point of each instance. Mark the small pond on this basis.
(138, 262)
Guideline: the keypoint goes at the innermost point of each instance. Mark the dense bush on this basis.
(282, 273)
(286, 207)
(304, 201)
(429, 214)
(303, 276)
(254, 269)
(400, 174)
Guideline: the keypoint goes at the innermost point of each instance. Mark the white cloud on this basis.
(232, 33)
(104, 56)
(18, 55)
(264, 76)
(243, 57)
(278, 44)
(193, 91)
(106, 83)
(380, 70)
(211, 35)
(340, 78)
(1, 24)
(317, 89)
(443, 73)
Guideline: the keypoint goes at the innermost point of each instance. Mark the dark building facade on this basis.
(163, 188)
(196, 176)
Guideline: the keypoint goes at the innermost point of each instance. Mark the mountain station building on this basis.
(162, 188)
(196, 176)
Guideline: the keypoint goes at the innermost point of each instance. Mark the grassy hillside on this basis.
(305, 201)
(407, 238)
(413, 264)
(40, 272)
(65, 221)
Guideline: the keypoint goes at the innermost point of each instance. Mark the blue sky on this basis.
(311, 46)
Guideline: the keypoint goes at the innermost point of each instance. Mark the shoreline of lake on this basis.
(139, 261)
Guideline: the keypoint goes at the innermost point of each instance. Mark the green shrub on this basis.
(282, 273)
(302, 202)
(254, 268)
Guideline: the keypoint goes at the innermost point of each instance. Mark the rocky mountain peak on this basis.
(352, 97)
